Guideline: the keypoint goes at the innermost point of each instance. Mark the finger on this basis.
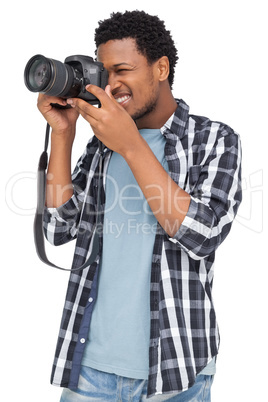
(51, 99)
(108, 91)
(83, 107)
(103, 96)
(46, 101)
(86, 110)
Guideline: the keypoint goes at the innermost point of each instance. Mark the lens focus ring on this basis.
(61, 79)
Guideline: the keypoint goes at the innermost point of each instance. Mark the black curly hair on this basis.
(152, 39)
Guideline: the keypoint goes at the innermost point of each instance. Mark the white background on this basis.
(222, 74)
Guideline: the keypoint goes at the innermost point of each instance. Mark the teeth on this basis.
(124, 98)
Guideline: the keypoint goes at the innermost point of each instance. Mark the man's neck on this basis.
(166, 106)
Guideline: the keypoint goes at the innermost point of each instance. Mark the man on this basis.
(140, 320)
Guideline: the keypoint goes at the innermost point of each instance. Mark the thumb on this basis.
(108, 91)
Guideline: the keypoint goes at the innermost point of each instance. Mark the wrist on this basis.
(135, 148)
(63, 137)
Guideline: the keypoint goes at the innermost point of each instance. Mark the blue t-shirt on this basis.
(118, 340)
(119, 334)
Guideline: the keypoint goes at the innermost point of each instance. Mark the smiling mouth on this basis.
(122, 100)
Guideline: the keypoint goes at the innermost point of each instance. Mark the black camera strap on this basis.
(39, 237)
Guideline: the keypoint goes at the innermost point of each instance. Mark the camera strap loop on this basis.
(39, 237)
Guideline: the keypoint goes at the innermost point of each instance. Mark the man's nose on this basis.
(113, 82)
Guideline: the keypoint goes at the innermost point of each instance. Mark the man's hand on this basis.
(62, 121)
(110, 123)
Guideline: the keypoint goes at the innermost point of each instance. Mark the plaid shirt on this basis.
(204, 159)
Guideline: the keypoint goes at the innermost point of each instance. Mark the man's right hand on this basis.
(62, 121)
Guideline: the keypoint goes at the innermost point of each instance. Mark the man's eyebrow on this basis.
(122, 64)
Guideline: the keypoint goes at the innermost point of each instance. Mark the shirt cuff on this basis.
(66, 210)
(195, 228)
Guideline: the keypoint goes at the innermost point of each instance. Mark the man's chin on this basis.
(140, 114)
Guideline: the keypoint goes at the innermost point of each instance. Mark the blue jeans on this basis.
(97, 386)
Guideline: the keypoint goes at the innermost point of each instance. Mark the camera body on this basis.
(65, 80)
(93, 73)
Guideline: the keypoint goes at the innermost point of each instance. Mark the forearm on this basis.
(59, 187)
(167, 200)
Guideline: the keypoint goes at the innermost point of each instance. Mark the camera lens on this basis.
(37, 73)
(51, 77)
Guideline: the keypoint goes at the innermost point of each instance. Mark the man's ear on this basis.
(163, 68)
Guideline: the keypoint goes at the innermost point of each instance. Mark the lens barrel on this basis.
(50, 77)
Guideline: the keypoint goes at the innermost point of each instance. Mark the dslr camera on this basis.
(65, 80)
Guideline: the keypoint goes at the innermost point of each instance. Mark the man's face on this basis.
(133, 81)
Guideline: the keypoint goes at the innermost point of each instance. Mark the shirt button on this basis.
(90, 300)
(82, 340)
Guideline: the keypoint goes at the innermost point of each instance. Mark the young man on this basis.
(140, 320)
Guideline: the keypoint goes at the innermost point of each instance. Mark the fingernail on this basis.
(70, 102)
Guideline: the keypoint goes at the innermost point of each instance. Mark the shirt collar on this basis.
(177, 123)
